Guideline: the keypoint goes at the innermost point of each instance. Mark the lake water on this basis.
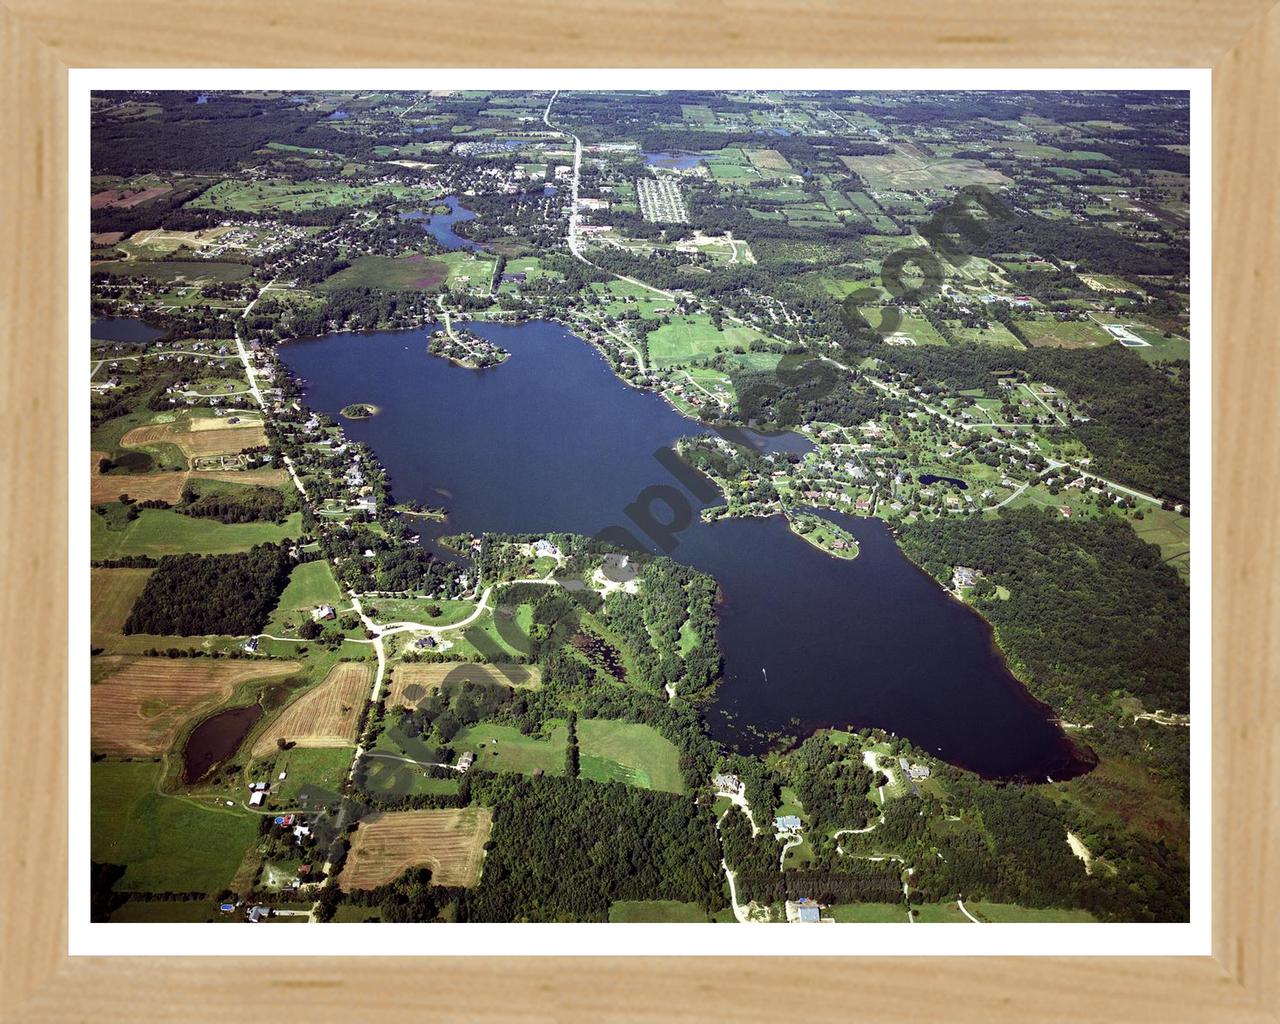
(552, 440)
(440, 225)
(121, 328)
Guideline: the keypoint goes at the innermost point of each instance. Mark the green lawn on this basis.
(349, 913)
(655, 911)
(168, 844)
(165, 532)
(503, 748)
(789, 803)
(172, 911)
(628, 752)
(396, 609)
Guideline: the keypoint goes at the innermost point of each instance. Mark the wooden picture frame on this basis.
(1240, 39)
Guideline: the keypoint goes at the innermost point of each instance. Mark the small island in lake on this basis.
(359, 410)
(463, 348)
(823, 534)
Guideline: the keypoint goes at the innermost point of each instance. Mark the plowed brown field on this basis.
(141, 704)
(326, 716)
(450, 842)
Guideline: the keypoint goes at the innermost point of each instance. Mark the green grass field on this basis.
(165, 532)
(310, 584)
(398, 609)
(1064, 334)
(322, 767)
(502, 748)
(1159, 349)
(288, 196)
(628, 752)
(915, 327)
(168, 844)
(940, 913)
(1169, 531)
(693, 337)
(396, 273)
(467, 269)
(1009, 913)
(655, 912)
(171, 270)
(113, 593)
(868, 913)
(995, 334)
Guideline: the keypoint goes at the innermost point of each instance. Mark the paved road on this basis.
(575, 242)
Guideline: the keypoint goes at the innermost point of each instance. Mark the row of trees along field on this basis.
(233, 503)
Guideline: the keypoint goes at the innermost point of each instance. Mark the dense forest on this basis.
(185, 135)
(196, 595)
(563, 850)
(1093, 609)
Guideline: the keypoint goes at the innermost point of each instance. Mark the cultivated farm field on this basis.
(104, 488)
(141, 704)
(449, 841)
(198, 437)
(325, 716)
(256, 477)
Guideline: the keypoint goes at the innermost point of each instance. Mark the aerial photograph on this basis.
(727, 506)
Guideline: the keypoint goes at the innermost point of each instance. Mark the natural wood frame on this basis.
(1239, 39)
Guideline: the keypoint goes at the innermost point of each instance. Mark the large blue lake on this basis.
(552, 440)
